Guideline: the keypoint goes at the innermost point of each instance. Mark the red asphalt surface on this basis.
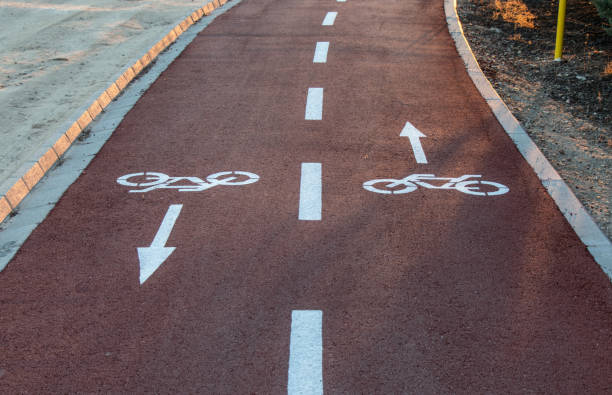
(433, 291)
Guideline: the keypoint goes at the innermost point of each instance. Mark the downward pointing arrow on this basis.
(152, 257)
(414, 135)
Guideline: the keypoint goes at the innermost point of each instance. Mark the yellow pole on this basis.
(560, 29)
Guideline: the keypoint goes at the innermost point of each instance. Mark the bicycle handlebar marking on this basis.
(412, 182)
(149, 181)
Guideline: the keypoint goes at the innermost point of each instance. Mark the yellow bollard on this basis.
(560, 29)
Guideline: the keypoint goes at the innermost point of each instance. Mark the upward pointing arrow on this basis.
(152, 257)
(414, 135)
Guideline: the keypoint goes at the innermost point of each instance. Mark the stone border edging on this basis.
(587, 230)
(15, 189)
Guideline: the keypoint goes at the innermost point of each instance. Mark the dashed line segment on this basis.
(306, 353)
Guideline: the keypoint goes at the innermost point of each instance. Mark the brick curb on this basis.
(15, 189)
(587, 230)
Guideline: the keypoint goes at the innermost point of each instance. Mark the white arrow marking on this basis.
(414, 135)
(152, 257)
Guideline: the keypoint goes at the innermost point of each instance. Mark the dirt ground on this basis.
(566, 107)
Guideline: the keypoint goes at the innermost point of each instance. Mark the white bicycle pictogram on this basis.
(149, 181)
(465, 184)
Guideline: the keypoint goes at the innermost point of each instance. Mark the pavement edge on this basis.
(587, 230)
(15, 189)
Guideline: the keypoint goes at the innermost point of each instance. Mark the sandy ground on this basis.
(56, 54)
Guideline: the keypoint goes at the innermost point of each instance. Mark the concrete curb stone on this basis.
(5, 207)
(574, 212)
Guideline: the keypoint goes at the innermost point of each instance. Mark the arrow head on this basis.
(410, 131)
(151, 258)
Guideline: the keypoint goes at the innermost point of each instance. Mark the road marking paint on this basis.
(152, 257)
(330, 17)
(320, 55)
(341, 1)
(306, 353)
(314, 104)
(463, 184)
(150, 181)
(310, 192)
(414, 135)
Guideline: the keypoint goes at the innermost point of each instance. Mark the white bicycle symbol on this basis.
(410, 183)
(151, 180)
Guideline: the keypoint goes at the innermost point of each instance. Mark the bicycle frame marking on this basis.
(154, 180)
(464, 183)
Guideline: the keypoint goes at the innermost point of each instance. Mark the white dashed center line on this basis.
(314, 104)
(329, 18)
(306, 353)
(310, 192)
(320, 55)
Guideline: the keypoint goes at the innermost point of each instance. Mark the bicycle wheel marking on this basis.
(149, 181)
(465, 184)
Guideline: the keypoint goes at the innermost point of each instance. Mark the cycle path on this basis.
(299, 283)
